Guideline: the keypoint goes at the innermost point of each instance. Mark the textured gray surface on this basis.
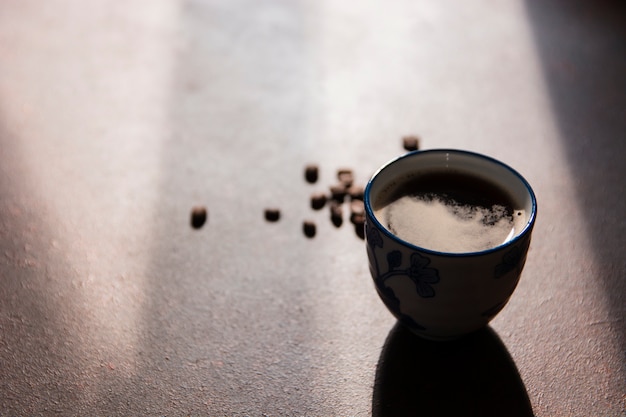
(116, 119)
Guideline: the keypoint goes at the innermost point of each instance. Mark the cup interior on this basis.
(394, 173)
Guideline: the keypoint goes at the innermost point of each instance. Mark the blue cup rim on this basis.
(527, 228)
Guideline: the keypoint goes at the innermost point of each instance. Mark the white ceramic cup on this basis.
(444, 295)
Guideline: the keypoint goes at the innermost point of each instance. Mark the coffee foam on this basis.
(439, 224)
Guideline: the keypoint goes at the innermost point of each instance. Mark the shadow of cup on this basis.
(471, 376)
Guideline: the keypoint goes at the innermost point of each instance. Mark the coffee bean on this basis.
(308, 228)
(336, 213)
(345, 177)
(198, 217)
(357, 217)
(311, 173)
(272, 214)
(411, 143)
(357, 212)
(359, 230)
(318, 201)
(356, 192)
(338, 192)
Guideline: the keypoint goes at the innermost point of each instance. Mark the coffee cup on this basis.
(447, 233)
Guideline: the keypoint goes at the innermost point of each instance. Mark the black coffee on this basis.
(449, 211)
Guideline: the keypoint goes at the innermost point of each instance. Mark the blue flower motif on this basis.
(394, 259)
(373, 236)
(422, 276)
(389, 297)
(512, 260)
(418, 271)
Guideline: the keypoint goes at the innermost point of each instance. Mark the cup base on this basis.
(438, 338)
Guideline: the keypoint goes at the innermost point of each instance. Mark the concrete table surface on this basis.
(116, 118)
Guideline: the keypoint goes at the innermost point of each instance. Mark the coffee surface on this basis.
(449, 211)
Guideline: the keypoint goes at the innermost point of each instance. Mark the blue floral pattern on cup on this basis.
(513, 260)
(451, 293)
(418, 272)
